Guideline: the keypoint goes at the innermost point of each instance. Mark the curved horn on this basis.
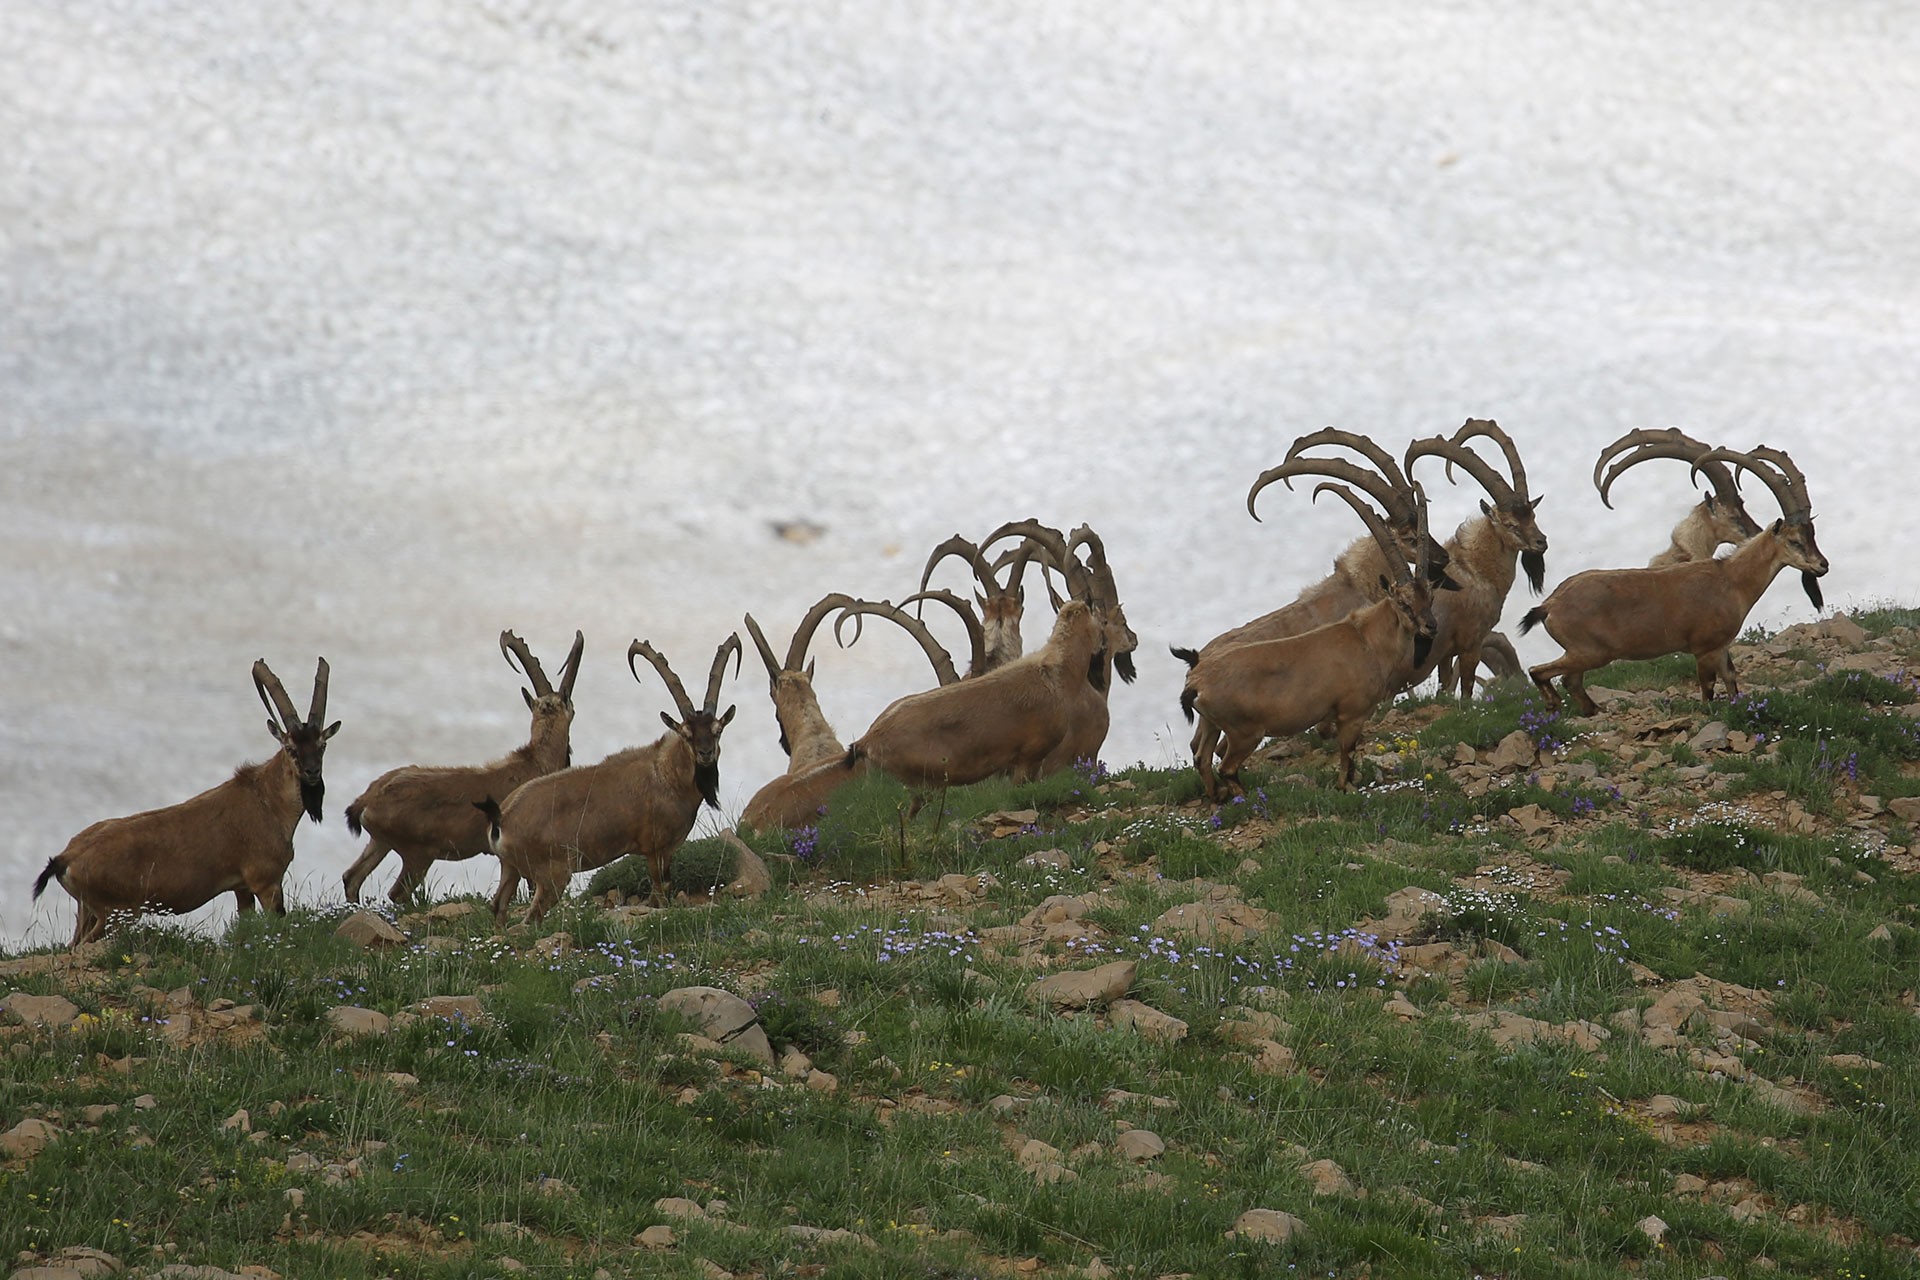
(976, 634)
(730, 645)
(317, 709)
(1381, 488)
(766, 650)
(273, 695)
(936, 652)
(1097, 566)
(515, 648)
(1055, 550)
(803, 634)
(958, 545)
(1472, 463)
(1776, 471)
(1491, 430)
(1363, 445)
(641, 649)
(1668, 442)
(571, 667)
(1376, 525)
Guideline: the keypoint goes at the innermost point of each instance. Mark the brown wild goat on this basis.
(1720, 517)
(428, 814)
(642, 800)
(1335, 674)
(234, 838)
(816, 759)
(1006, 721)
(1482, 555)
(1696, 607)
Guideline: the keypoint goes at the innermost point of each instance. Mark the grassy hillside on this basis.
(1545, 997)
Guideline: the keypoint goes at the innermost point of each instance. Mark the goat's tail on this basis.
(1189, 656)
(55, 869)
(353, 816)
(855, 754)
(1535, 616)
(491, 808)
(1187, 695)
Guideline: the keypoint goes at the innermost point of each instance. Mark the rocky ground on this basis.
(1061, 955)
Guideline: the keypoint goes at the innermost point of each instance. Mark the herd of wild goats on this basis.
(1397, 607)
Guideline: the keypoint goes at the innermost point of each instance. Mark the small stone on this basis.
(678, 1207)
(370, 931)
(40, 1011)
(1080, 988)
(1328, 1179)
(1652, 1227)
(27, 1139)
(658, 1236)
(1267, 1224)
(1139, 1146)
(1689, 1184)
(823, 1082)
(238, 1120)
(1150, 1023)
(402, 1079)
(145, 1102)
(722, 1017)
(350, 1020)
(80, 1260)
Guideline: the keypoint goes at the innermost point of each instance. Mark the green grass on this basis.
(545, 1131)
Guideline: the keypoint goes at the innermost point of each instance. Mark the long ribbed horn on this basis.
(1667, 442)
(936, 652)
(1381, 488)
(976, 633)
(1470, 462)
(958, 545)
(803, 634)
(1052, 544)
(641, 649)
(273, 696)
(1487, 427)
(1363, 445)
(571, 667)
(731, 645)
(1786, 482)
(1396, 555)
(515, 648)
(766, 650)
(317, 709)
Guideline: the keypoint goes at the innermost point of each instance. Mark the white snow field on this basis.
(368, 330)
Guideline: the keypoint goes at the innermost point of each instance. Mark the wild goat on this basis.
(1481, 554)
(1335, 674)
(236, 837)
(1365, 564)
(816, 759)
(1720, 517)
(1092, 584)
(1006, 721)
(427, 814)
(642, 800)
(1000, 603)
(1697, 606)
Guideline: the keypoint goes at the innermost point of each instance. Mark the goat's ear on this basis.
(672, 724)
(274, 729)
(1385, 586)
(529, 697)
(331, 730)
(1709, 501)
(981, 601)
(809, 668)
(1534, 505)
(726, 719)
(1776, 527)
(1485, 510)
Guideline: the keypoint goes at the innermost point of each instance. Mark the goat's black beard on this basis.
(1812, 585)
(1535, 563)
(706, 777)
(1123, 663)
(311, 794)
(1422, 646)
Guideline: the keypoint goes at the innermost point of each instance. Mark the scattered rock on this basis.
(1214, 921)
(350, 1020)
(1267, 1224)
(1139, 1146)
(751, 879)
(722, 1017)
(1712, 736)
(658, 1236)
(1514, 753)
(1328, 1179)
(679, 1207)
(370, 931)
(27, 1139)
(1652, 1227)
(40, 1011)
(1082, 988)
(1150, 1023)
(1047, 859)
